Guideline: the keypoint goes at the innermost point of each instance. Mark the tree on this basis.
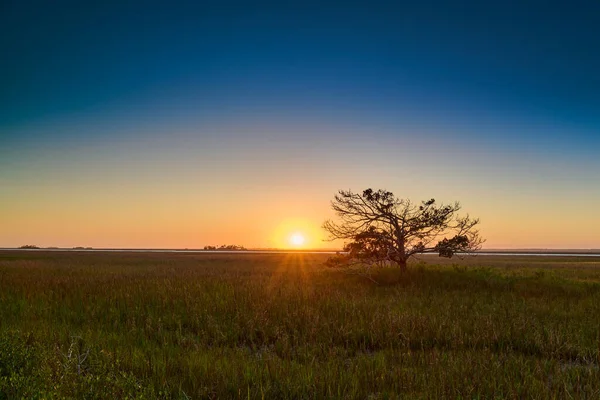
(223, 247)
(384, 229)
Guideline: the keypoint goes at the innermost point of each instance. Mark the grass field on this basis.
(124, 325)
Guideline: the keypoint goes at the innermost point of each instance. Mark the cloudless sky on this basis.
(182, 124)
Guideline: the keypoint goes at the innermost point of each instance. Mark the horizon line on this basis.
(183, 249)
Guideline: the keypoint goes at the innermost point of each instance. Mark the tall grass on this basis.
(90, 325)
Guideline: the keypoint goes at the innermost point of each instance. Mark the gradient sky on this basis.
(173, 124)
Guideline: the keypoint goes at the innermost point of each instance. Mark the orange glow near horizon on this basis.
(122, 205)
(298, 233)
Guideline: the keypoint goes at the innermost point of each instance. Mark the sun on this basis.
(297, 239)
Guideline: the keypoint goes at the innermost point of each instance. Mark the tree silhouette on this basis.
(384, 229)
(228, 247)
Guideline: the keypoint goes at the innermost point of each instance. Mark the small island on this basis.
(223, 247)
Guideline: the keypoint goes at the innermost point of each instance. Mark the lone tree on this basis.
(384, 229)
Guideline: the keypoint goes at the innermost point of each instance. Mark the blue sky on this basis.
(507, 92)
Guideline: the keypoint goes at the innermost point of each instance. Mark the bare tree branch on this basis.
(384, 229)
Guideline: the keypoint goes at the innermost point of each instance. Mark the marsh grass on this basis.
(283, 326)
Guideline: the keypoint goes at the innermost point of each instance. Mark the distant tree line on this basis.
(228, 247)
(29, 246)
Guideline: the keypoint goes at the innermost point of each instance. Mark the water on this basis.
(482, 253)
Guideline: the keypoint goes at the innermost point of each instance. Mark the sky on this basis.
(146, 124)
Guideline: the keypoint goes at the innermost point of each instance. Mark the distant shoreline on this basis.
(491, 252)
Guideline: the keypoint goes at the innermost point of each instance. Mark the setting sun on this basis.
(297, 239)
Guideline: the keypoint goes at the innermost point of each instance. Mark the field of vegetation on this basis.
(128, 325)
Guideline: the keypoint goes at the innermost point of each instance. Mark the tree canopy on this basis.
(228, 247)
(384, 229)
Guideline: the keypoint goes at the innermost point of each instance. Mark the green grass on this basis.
(123, 325)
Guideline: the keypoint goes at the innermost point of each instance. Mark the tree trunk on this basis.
(402, 265)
